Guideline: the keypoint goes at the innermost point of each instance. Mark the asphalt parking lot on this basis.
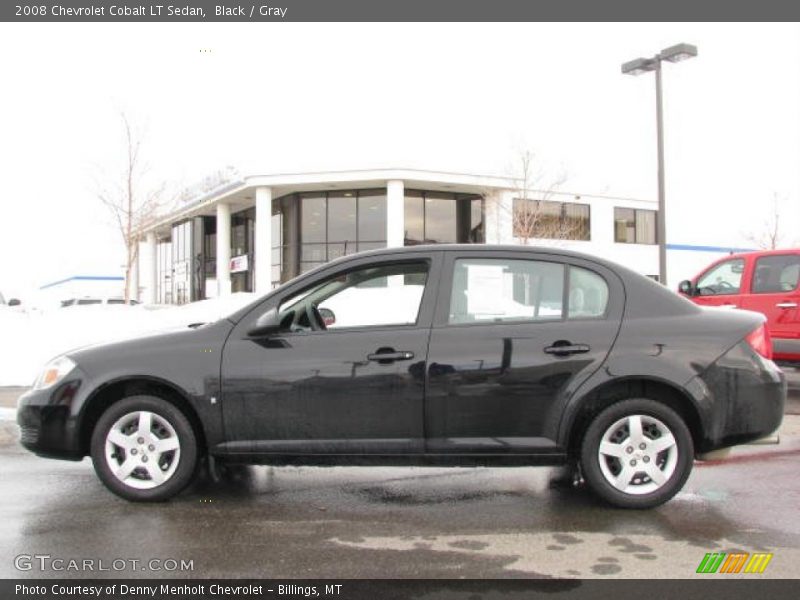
(400, 522)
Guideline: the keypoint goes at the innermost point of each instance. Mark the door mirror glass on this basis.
(327, 316)
(685, 287)
(267, 324)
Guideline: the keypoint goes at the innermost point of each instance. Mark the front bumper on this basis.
(47, 420)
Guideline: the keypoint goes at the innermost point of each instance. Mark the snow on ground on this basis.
(29, 339)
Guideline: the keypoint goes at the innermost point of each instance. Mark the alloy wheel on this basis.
(638, 454)
(142, 449)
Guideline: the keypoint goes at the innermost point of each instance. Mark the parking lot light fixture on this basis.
(678, 52)
(638, 66)
(673, 54)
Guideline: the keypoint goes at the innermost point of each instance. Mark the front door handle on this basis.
(786, 305)
(390, 356)
(565, 349)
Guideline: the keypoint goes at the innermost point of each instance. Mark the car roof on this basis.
(427, 248)
(778, 251)
(643, 290)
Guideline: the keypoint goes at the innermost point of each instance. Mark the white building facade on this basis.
(255, 232)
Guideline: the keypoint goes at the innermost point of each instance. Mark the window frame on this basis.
(636, 211)
(733, 291)
(616, 291)
(317, 275)
(752, 289)
(562, 218)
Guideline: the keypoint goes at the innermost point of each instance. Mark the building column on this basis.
(134, 285)
(223, 249)
(263, 233)
(499, 215)
(148, 268)
(395, 214)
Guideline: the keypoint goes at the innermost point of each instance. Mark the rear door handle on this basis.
(786, 305)
(387, 357)
(567, 349)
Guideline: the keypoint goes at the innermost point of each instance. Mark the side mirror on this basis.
(267, 324)
(685, 287)
(14, 302)
(328, 317)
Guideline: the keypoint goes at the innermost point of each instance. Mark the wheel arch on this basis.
(115, 390)
(611, 392)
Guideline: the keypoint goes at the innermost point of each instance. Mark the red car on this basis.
(765, 282)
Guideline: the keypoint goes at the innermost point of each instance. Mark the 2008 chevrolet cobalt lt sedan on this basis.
(429, 355)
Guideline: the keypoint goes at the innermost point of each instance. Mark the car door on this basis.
(721, 284)
(355, 387)
(774, 293)
(515, 333)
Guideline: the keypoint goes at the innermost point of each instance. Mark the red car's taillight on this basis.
(760, 341)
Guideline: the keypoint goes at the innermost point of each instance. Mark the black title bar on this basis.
(705, 588)
(398, 10)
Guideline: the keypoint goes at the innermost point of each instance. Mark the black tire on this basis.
(186, 460)
(593, 471)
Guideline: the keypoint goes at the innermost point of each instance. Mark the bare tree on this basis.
(770, 235)
(131, 198)
(533, 212)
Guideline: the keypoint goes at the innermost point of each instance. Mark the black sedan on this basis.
(431, 355)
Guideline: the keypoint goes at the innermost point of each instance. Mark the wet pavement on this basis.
(401, 522)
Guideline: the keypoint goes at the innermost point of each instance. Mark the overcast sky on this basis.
(271, 98)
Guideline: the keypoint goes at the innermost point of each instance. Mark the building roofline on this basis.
(357, 177)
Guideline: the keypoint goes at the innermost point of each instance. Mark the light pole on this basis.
(637, 67)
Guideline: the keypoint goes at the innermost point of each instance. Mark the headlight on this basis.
(54, 372)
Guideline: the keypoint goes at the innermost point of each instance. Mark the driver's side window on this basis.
(725, 278)
(373, 296)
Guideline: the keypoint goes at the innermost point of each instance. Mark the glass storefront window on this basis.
(313, 217)
(312, 228)
(342, 224)
(334, 224)
(442, 218)
(414, 217)
(372, 217)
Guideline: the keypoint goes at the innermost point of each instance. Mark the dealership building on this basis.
(252, 233)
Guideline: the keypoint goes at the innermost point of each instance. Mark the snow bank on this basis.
(29, 340)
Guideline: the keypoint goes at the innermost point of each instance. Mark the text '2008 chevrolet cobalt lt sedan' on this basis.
(431, 355)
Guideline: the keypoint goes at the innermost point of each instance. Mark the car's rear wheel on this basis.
(144, 449)
(637, 454)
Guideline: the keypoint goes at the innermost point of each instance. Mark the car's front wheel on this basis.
(637, 454)
(144, 448)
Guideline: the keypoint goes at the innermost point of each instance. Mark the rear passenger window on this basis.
(498, 290)
(588, 294)
(776, 274)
